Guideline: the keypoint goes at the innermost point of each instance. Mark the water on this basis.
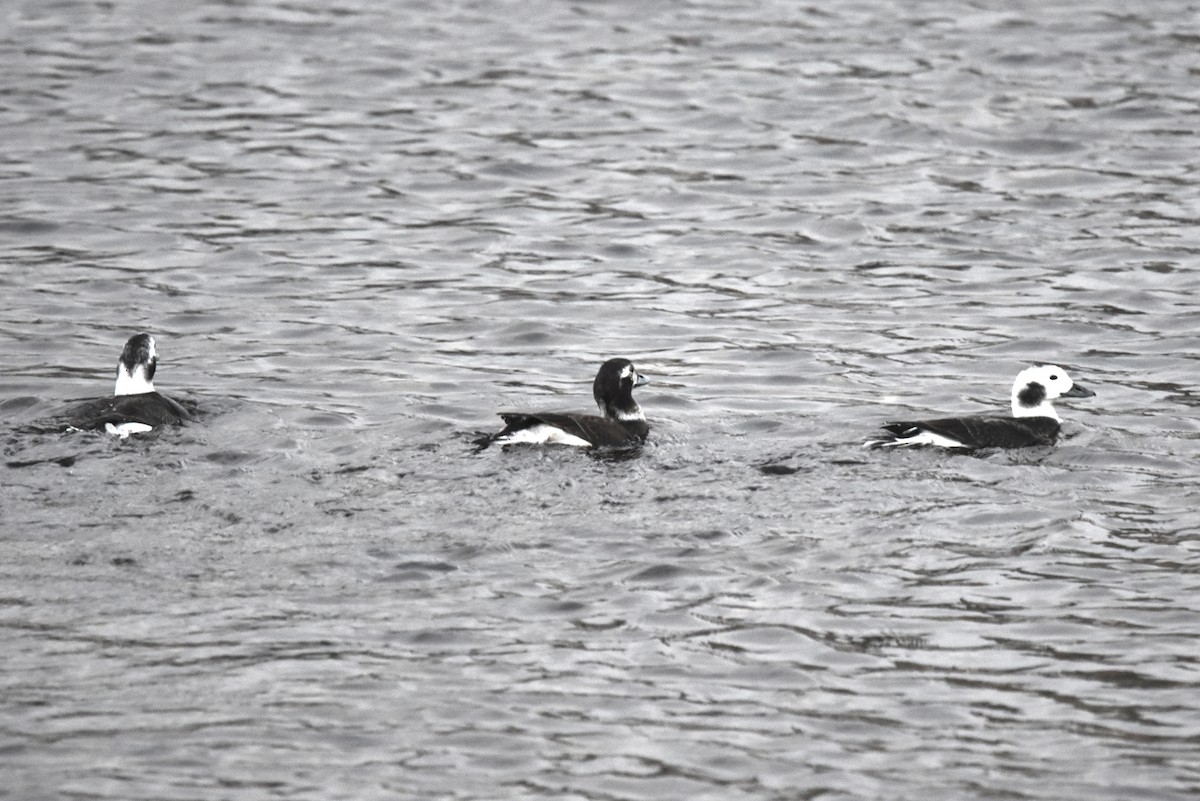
(360, 230)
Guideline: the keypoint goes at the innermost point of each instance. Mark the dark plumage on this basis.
(622, 423)
(983, 432)
(148, 408)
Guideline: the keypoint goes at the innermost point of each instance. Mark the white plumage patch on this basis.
(123, 430)
(134, 383)
(921, 437)
(542, 434)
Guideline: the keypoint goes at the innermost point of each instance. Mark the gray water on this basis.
(360, 229)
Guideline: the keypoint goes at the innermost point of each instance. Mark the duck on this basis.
(135, 407)
(1034, 420)
(621, 423)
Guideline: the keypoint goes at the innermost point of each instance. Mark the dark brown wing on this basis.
(150, 408)
(599, 431)
(985, 432)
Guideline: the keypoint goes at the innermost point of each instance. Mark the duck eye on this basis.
(1053, 378)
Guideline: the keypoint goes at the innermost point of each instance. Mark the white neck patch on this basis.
(629, 414)
(134, 383)
(1043, 409)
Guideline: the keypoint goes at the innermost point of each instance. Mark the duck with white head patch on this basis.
(135, 407)
(1034, 420)
(622, 424)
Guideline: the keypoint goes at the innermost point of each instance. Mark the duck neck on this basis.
(132, 383)
(1043, 409)
(622, 412)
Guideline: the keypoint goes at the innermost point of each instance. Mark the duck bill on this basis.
(641, 380)
(1078, 391)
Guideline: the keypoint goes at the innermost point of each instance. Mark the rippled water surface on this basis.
(360, 229)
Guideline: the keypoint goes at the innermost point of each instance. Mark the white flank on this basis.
(542, 434)
(920, 438)
(125, 429)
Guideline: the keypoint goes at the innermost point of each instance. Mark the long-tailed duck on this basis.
(135, 407)
(1033, 421)
(622, 423)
